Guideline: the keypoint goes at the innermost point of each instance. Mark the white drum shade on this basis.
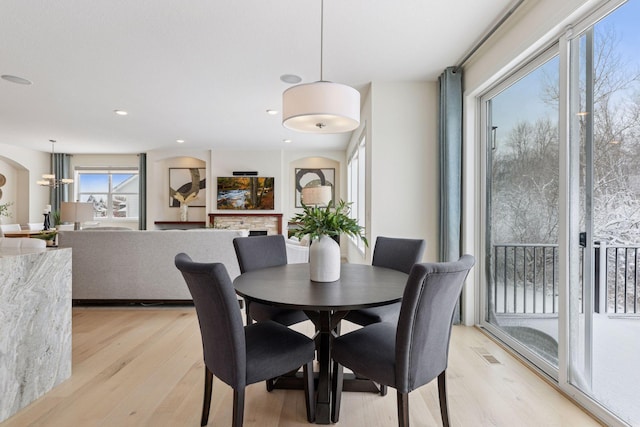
(321, 107)
(320, 195)
(76, 212)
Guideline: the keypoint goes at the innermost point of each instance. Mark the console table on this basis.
(178, 225)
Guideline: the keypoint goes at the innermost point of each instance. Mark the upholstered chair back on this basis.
(219, 317)
(258, 252)
(398, 254)
(424, 326)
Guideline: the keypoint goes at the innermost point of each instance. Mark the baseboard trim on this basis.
(128, 302)
(136, 303)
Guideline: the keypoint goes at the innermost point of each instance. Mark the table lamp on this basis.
(76, 212)
(320, 195)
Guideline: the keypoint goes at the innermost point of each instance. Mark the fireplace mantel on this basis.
(272, 222)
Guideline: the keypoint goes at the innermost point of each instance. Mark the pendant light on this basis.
(49, 180)
(321, 107)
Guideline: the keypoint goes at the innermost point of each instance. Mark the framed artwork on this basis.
(245, 193)
(314, 177)
(187, 184)
(3, 181)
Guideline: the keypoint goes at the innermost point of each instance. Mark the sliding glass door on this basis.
(562, 207)
(604, 288)
(522, 210)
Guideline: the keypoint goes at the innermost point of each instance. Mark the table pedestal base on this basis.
(327, 325)
(351, 383)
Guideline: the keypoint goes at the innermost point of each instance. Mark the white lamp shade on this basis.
(321, 107)
(320, 195)
(76, 212)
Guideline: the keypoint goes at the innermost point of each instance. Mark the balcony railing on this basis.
(620, 278)
(525, 279)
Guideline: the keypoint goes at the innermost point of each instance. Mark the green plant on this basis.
(4, 209)
(55, 216)
(45, 235)
(328, 221)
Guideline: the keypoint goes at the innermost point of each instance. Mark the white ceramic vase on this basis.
(184, 212)
(324, 260)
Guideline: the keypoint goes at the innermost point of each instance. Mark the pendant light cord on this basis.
(321, 35)
(53, 151)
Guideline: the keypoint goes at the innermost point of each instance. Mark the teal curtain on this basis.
(142, 191)
(61, 168)
(450, 145)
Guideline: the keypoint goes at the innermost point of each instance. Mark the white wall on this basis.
(403, 152)
(280, 165)
(312, 159)
(9, 190)
(531, 28)
(401, 134)
(266, 163)
(158, 164)
(25, 167)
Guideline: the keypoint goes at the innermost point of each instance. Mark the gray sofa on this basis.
(120, 265)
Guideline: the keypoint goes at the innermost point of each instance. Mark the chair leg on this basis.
(403, 409)
(309, 391)
(271, 384)
(336, 396)
(206, 404)
(442, 394)
(238, 408)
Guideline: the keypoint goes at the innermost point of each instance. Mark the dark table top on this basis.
(289, 286)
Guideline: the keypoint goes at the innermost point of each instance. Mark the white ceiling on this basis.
(206, 71)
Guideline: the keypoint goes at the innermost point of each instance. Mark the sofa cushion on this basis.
(139, 265)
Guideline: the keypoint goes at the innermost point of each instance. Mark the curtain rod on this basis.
(491, 31)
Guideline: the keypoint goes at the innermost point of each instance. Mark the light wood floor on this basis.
(143, 367)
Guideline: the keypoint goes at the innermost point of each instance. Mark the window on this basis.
(113, 192)
(356, 174)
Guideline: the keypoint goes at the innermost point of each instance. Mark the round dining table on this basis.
(325, 303)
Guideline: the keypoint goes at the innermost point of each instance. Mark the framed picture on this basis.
(187, 184)
(245, 193)
(314, 177)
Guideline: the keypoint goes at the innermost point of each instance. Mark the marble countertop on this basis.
(12, 252)
(35, 313)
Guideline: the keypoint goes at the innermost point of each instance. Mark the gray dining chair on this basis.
(236, 354)
(413, 352)
(259, 252)
(397, 254)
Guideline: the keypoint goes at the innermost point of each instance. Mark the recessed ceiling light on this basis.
(16, 79)
(272, 112)
(180, 141)
(120, 112)
(290, 78)
(286, 141)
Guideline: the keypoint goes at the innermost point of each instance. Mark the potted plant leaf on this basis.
(47, 235)
(4, 209)
(321, 224)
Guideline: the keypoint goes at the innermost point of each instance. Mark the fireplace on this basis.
(256, 223)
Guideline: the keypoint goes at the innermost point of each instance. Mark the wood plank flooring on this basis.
(143, 367)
